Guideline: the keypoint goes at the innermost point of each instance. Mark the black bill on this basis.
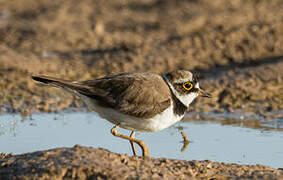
(202, 93)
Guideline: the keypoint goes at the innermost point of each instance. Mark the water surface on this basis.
(210, 140)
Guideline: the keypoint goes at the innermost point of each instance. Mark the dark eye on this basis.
(188, 86)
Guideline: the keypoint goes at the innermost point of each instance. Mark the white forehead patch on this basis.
(197, 85)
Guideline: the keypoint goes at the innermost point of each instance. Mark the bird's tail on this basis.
(65, 84)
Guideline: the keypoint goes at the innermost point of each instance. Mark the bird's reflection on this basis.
(185, 141)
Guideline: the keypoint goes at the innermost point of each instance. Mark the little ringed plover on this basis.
(142, 102)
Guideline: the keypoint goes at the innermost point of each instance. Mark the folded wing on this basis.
(141, 95)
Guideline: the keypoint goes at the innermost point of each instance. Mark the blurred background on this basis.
(235, 47)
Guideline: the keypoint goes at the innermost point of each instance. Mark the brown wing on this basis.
(135, 94)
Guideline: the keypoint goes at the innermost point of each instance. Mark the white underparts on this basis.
(156, 123)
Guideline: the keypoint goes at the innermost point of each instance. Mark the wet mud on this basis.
(90, 163)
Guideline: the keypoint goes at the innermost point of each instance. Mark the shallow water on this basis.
(214, 140)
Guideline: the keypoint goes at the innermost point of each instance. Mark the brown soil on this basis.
(90, 163)
(235, 47)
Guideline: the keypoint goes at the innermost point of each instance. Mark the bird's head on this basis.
(184, 86)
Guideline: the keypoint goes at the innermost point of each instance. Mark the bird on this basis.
(136, 101)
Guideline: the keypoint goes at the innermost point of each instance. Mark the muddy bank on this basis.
(235, 47)
(91, 163)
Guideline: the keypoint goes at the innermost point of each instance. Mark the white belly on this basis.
(156, 123)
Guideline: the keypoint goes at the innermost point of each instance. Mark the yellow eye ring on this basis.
(188, 86)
